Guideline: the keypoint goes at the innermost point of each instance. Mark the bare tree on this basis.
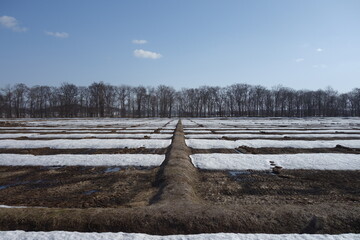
(123, 94)
(166, 96)
(19, 99)
(97, 99)
(105, 100)
(354, 100)
(68, 96)
(7, 101)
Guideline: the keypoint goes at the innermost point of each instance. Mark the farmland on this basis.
(82, 163)
(248, 175)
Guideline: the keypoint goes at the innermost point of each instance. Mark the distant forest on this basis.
(238, 100)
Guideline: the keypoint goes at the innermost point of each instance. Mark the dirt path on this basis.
(177, 175)
(185, 201)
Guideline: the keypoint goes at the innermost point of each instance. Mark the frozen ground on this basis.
(86, 143)
(259, 143)
(60, 235)
(146, 160)
(313, 161)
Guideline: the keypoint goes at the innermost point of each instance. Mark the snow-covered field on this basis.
(287, 131)
(274, 133)
(85, 135)
(314, 122)
(96, 122)
(210, 133)
(102, 133)
(260, 143)
(146, 160)
(60, 235)
(316, 161)
(200, 134)
(280, 136)
(86, 143)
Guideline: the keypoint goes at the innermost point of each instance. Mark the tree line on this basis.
(238, 100)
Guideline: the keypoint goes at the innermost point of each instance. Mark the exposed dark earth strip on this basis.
(77, 186)
(186, 200)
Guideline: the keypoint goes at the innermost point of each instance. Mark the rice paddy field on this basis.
(228, 178)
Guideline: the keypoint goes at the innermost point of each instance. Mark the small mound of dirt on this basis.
(11, 124)
(268, 150)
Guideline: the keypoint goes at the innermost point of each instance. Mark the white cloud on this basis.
(140, 53)
(11, 23)
(319, 49)
(320, 66)
(57, 34)
(298, 60)
(135, 41)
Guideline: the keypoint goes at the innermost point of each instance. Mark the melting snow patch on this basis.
(86, 143)
(228, 162)
(6, 206)
(91, 192)
(112, 169)
(238, 173)
(316, 161)
(85, 135)
(262, 136)
(211, 143)
(146, 160)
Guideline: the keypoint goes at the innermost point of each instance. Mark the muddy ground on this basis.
(85, 187)
(77, 187)
(301, 187)
(136, 200)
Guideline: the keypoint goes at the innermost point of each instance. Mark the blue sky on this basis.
(307, 44)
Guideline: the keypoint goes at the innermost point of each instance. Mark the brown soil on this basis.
(50, 151)
(11, 124)
(337, 149)
(301, 187)
(178, 199)
(213, 150)
(76, 187)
